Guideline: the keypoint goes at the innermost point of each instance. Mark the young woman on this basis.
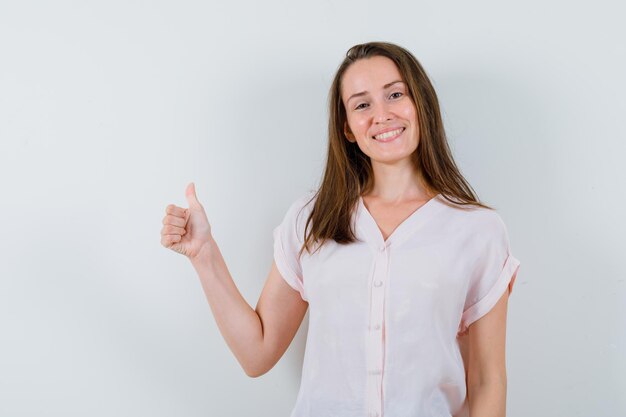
(407, 275)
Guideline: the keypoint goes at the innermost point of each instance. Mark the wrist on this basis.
(204, 254)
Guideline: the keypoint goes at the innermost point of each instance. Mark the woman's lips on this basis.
(390, 138)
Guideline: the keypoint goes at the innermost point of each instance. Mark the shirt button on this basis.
(382, 248)
(377, 327)
(378, 283)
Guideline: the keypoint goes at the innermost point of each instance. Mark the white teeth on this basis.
(386, 135)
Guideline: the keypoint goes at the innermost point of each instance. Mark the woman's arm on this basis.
(258, 338)
(486, 379)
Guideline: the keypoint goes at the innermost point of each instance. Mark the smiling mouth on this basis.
(389, 136)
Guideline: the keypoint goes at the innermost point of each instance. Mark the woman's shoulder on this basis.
(472, 217)
(301, 207)
(304, 201)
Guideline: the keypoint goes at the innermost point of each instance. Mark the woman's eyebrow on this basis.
(362, 93)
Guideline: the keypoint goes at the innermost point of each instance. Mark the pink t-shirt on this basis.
(388, 319)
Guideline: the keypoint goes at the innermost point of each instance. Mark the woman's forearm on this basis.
(238, 322)
(488, 400)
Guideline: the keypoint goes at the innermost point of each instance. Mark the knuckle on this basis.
(171, 220)
(175, 230)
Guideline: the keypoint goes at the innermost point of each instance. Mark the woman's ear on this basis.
(348, 133)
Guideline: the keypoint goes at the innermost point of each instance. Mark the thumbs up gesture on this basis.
(186, 230)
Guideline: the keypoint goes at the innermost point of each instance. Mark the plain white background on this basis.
(109, 109)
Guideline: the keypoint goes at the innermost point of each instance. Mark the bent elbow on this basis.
(252, 373)
(261, 365)
(255, 372)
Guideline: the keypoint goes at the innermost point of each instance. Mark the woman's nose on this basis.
(382, 114)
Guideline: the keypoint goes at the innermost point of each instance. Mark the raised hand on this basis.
(186, 230)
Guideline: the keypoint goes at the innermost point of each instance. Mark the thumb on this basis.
(192, 200)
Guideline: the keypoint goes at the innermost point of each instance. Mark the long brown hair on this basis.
(348, 173)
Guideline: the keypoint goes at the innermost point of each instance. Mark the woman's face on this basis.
(377, 101)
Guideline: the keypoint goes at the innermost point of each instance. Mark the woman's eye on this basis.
(392, 94)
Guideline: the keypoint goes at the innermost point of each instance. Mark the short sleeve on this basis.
(495, 270)
(288, 239)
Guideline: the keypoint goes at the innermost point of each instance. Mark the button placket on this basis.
(375, 336)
